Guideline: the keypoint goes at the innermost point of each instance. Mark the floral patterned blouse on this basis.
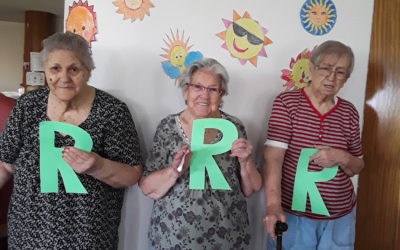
(66, 220)
(197, 219)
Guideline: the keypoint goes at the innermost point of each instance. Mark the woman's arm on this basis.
(6, 171)
(250, 177)
(113, 173)
(158, 183)
(273, 157)
(117, 174)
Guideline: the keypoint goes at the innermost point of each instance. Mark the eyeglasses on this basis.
(326, 71)
(240, 31)
(211, 91)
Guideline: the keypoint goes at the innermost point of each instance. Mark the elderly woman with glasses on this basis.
(184, 218)
(314, 117)
(60, 220)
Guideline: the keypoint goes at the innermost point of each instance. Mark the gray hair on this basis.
(71, 42)
(211, 65)
(336, 48)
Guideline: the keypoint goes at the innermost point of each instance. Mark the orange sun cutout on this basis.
(81, 20)
(133, 9)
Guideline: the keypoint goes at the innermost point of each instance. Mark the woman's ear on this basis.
(310, 66)
(311, 69)
(185, 94)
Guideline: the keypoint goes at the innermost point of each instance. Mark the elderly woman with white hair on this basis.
(185, 218)
(314, 118)
(64, 220)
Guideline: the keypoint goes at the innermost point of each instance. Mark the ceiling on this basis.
(14, 10)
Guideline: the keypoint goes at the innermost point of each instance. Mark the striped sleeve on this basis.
(280, 123)
(355, 138)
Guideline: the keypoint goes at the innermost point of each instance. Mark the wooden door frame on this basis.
(378, 209)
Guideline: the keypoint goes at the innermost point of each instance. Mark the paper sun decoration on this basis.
(178, 55)
(297, 76)
(244, 38)
(133, 9)
(81, 20)
(318, 16)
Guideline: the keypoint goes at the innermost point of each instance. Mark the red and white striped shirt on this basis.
(295, 123)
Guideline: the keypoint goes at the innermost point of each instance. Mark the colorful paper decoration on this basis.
(178, 55)
(82, 20)
(318, 16)
(244, 38)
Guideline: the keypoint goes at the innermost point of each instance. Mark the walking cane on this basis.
(279, 229)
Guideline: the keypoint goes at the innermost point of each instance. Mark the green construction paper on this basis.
(305, 183)
(202, 153)
(51, 157)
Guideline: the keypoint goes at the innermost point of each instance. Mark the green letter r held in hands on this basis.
(51, 157)
(202, 153)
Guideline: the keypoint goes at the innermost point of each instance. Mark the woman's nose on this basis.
(64, 76)
(205, 92)
(332, 75)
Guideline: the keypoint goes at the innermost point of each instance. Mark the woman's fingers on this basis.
(241, 148)
(80, 161)
(270, 221)
(180, 161)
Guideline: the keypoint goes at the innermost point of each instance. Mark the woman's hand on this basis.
(158, 183)
(274, 213)
(6, 171)
(326, 157)
(242, 149)
(181, 155)
(250, 177)
(80, 161)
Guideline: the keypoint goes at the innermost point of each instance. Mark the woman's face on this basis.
(202, 103)
(65, 74)
(330, 75)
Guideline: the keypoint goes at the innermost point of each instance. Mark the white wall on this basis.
(11, 55)
(128, 65)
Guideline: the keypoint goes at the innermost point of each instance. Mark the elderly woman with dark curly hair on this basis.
(185, 218)
(65, 220)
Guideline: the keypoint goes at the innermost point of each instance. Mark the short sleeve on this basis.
(11, 136)
(158, 156)
(121, 142)
(280, 123)
(355, 138)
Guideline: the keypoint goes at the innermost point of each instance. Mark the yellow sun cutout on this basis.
(176, 50)
(177, 55)
(298, 75)
(244, 38)
(133, 9)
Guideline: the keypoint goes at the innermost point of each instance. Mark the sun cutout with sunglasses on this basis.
(244, 38)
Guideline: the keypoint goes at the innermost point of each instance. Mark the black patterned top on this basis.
(197, 219)
(64, 220)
